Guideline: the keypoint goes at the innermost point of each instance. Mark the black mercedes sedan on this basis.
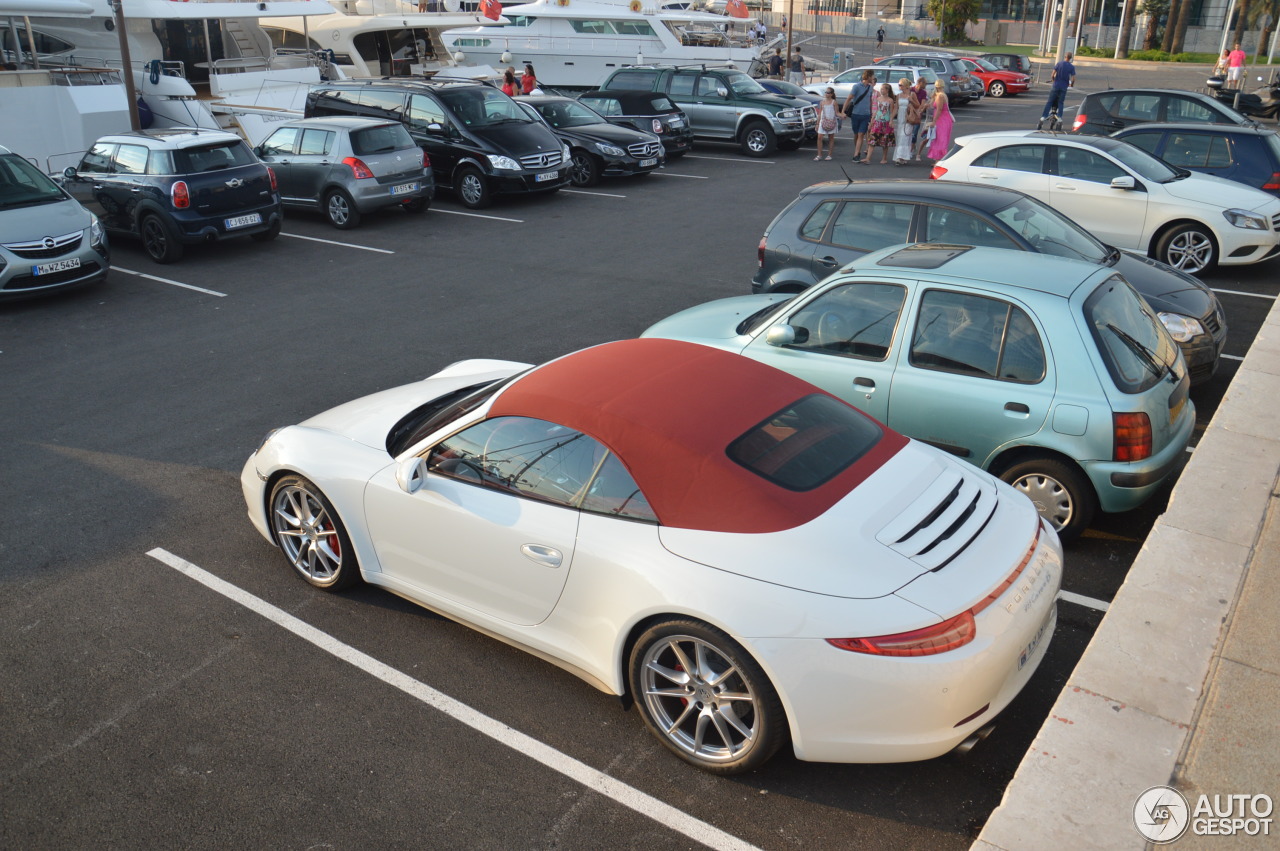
(596, 147)
(644, 110)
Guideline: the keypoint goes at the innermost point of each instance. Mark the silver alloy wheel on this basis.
(471, 188)
(758, 140)
(699, 700)
(1047, 494)
(338, 208)
(306, 534)
(1190, 250)
(997, 89)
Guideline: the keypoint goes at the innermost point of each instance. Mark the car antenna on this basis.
(847, 178)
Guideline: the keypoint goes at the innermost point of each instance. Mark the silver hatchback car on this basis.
(347, 167)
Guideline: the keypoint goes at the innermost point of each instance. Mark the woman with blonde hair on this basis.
(942, 123)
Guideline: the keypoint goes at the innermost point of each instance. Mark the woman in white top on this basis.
(828, 112)
(902, 152)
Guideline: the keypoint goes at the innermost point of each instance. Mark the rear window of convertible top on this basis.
(806, 443)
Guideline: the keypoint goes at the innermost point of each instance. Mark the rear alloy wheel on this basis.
(704, 698)
(584, 168)
(1189, 248)
(997, 89)
(1061, 495)
(159, 240)
(758, 140)
(340, 210)
(471, 187)
(311, 536)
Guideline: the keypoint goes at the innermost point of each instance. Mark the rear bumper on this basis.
(1122, 486)
(371, 195)
(196, 229)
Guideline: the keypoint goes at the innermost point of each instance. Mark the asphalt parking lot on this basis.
(145, 707)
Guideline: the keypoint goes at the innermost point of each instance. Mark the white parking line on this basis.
(584, 192)
(335, 242)
(731, 159)
(1251, 295)
(477, 216)
(678, 820)
(1231, 357)
(1081, 600)
(167, 281)
(673, 174)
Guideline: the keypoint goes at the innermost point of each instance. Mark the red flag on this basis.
(492, 9)
(737, 9)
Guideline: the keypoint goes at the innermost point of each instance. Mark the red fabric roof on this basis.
(669, 409)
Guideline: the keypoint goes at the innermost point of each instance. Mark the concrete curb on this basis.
(1125, 719)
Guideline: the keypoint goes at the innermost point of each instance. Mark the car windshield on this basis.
(481, 106)
(568, 113)
(426, 419)
(1132, 342)
(984, 65)
(1142, 162)
(806, 443)
(223, 155)
(24, 185)
(741, 84)
(1050, 232)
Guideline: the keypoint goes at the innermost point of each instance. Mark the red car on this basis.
(997, 82)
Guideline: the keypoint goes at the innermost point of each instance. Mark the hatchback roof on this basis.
(983, 267)
(1199, 127)
(172, 137)
(1102, 143)
(906, 189)
(347, 122)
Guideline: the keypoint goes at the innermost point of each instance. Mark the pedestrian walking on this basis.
(796, 68)
(943, 123)
(776, 63)
(857, 107)
(827, 113)
(1220, 69)
(1235, 66)
(920, 97)
(883, 116)
(880, 40)
(1063, 78)
(529, 82)
(902, 128)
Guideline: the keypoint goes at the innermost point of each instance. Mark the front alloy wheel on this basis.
(1189, 248)
(310, 534)
(584, 169)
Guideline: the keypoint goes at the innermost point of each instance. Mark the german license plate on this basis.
(56, 266)
(547, 175)
(403, 188)
(652, 161)
(244, 221)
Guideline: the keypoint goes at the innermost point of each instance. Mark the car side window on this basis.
(1148, 141)
(316, 142)
(98, 160)
(978, 336)
(1028, 158)
(954, 226)
(383, 104)
(1188, 110)
(604, 106)
(521, 456)
(682, 83)
(709, 87)
(131, 159)
(1138, 108)
(814, 226)
(612, 491)
(1080, 164)
(854, 320)
(869, 225)
(282, 142)
(1197, 150)
(424, 111)
(641, 81)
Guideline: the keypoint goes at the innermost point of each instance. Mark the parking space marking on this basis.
(627, 796)
(731, 159)
(584, 192)
(1081, 600)
(674, 174)
(1251, 295)
(343, 244)
(167, 281)
(477, 216)
(1231, 357)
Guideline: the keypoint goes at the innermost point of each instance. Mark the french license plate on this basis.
(547, 175)
(649, 162)
(56, 266)
(244, 221)
(403, 188)
(677, 122)
(1032, 645)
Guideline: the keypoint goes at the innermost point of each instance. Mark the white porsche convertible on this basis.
(751, 560)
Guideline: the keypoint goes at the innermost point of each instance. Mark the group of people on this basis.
(527, 84)
(1231, 65)
(912, 123)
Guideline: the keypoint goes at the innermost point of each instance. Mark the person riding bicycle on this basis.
(1063, 78)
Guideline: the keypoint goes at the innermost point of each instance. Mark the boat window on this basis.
(44, 43)
(518, 21)
(591, 27)
(633, 28)
(471, 42)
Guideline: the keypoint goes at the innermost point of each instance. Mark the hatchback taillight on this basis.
(760, 252)
(657, 125)
(180, 195)
(358, 169)
(1132, 437)
(1274, 183)
(936, 172)
(1081, 120)
(271, 175)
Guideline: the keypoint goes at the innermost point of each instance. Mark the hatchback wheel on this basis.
(1060, 493)
(311, 536)
(1189, 248)
(585, 169)
(159, 240)
(340, 210)
(997, 89)
(471, 187)
(704, 698)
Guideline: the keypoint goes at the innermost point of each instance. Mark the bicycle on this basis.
(1055, 123)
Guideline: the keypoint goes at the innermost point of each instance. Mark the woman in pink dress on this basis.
(942, 123)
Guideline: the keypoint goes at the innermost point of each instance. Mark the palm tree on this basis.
(1126, 29)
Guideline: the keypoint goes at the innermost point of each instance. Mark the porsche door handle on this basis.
(545, 556)
(1064, 187)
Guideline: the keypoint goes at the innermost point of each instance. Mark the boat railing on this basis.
(60, 76)
(396, 7)
(168, 68)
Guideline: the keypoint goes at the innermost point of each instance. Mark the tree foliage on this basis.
(952, 15)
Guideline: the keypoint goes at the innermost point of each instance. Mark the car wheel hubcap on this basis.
(997, 91)
(581, 170)
(471, 189)
(1051, 499)
(338, 211)
(699, 700)
(756, 140)
(306, 534)
(1190, 251)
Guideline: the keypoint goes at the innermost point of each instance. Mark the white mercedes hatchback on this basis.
(1125, 196)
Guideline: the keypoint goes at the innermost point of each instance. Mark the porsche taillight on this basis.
(927, 641)
(180, 195)
(1132, 436)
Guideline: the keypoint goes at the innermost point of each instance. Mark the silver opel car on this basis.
(48, 242)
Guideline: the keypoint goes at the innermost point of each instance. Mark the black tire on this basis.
(758, 139)
(472, 188)
(1188, 247)
(584, 169)
(340, 210)
(997, 89)
(418, 205)
(789, 144)
(270, 233)
(1061, 493)
(311, 535)
(741, 733)
(159, 239)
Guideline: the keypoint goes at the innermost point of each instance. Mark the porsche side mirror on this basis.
(411, 473)
(1122, 182)
(780, 335)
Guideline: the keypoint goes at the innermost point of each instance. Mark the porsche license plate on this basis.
(403, 188)
(244, 221)
(547, 175)
(56, 266)
(1030, 650)
(652, 161)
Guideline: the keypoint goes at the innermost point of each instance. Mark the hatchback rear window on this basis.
(381, 140)
(212, 157)
(806, 443)
(1133, 344)
(663, 104)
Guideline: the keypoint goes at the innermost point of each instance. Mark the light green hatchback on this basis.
(1052, 374)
